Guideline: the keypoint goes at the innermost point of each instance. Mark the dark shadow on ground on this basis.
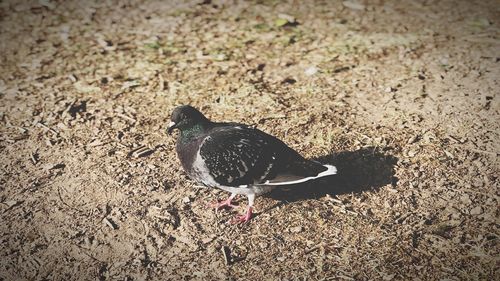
(362, 170)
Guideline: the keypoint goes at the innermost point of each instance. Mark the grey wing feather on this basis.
(238, 155)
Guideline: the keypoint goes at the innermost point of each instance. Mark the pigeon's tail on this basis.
(289, 180)
(330, 170)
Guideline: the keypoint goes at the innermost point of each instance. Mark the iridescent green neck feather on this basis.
(192, 132)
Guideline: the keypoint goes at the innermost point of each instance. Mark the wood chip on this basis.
(34, 158)
(85, 88)
(413, 139)
(130, 84)
(72, 78)
(161, 82)
(110, 223)
(353, 5)
(207, 240)
(141, 151)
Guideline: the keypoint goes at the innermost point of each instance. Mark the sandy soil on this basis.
(402, 96)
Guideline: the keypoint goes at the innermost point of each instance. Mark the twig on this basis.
(227, 255)
(261, 120)
(98, 143)
(126, 117)
(484, 151)
(47, 127)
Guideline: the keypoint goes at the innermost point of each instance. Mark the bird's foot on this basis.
(222, 205)
(243, 218)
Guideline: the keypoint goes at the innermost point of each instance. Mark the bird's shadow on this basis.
(366, 169)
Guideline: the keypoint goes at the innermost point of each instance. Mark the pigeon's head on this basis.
(185, 117)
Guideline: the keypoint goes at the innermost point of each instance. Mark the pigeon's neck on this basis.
(193, 132)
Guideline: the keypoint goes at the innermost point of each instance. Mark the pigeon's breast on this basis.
(187, 153)
(193, 164)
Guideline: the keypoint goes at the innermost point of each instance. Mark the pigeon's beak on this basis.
(171, 127)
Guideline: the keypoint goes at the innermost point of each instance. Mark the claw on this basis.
(222, 205)
(243, 218)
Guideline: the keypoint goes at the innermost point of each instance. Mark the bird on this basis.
(238, 158)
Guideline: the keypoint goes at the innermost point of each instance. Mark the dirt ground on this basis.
(402, 96)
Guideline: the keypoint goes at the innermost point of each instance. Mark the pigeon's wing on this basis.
(238, 155)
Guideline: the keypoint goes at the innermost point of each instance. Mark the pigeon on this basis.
(238, 158)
